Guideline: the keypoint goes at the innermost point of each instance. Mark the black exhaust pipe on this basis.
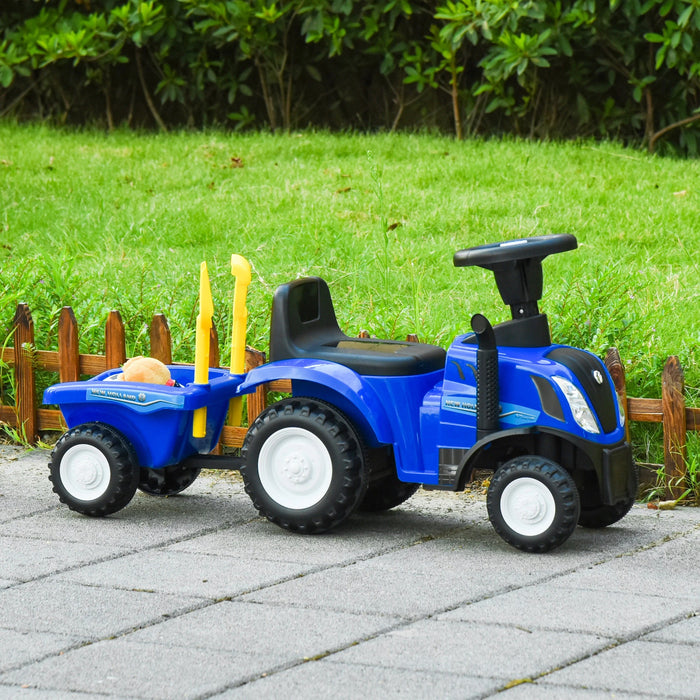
(487, 406)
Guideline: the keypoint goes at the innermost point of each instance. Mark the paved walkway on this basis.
(195, 597)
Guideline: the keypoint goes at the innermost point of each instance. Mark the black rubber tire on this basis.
(340, 449)
(167, 481)
(386, 493)
(545, 476)
(102, 455)
(603, 516)
(594, 514)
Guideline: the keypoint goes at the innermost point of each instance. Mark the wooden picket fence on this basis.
(670, 410)
(30, 420)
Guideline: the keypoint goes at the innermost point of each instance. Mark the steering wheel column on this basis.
(517, 267)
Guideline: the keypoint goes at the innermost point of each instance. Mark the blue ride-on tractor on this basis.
(371, 420)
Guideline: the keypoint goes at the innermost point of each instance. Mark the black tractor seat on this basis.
(304, 326)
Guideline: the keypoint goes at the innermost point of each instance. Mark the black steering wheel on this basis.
(536, 248)
(517, 267)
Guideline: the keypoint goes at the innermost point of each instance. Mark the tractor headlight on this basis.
(621, 409)
(579, 406)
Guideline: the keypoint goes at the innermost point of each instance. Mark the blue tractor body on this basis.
(430, 420)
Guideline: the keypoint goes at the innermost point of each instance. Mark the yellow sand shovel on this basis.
(201, 353)
(240, 268)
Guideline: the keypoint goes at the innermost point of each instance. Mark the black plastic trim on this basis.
(548, 398)
(530, 332)
(586, 367)
(210, 461)
(612, 464)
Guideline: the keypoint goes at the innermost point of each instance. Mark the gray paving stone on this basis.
(17, 648)
(14, 692)
(146, 521)
(683, 632)
(326, 679)
(538, 691)
(185, 573)
(455, 568)
(15, 509)
(19, 462)
(88, 612)
(24, 485)
(177, 598)
(27, 558)
(119, 667)
(481, 567)
(662, 569)
(554, 606)
(284, 633)
(9, 452)
(365, 588)
(646, 668)
(494, 651)
(360, 538)
(478, 552)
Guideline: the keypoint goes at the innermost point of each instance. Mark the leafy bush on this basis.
(626, 69)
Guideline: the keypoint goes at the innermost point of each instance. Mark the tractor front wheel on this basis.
(594, 514)
(533, 503)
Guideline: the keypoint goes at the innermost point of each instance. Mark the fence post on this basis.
(613, 362)
(115, 342)
(68, 350)
(25, 397)
(257, 402)
(673, 407)
(214, 352)
(161, 340)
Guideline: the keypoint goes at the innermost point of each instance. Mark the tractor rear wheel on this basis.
(304, 465)
(386, 493)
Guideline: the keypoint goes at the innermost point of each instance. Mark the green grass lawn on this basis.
(100, 221)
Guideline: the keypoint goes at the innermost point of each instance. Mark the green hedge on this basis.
(625, 69)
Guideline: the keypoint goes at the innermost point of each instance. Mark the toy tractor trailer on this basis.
(371, 420)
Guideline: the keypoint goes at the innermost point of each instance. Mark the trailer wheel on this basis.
(304, 465)
(93, 469)
(533, 503)
(167, 481)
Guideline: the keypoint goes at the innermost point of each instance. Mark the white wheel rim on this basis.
(85, 472)
(295, 468)
(527, 506)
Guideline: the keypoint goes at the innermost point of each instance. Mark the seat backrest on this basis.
(302, 318)
(304, 326)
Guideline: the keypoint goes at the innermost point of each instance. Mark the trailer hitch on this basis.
(212, 461)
